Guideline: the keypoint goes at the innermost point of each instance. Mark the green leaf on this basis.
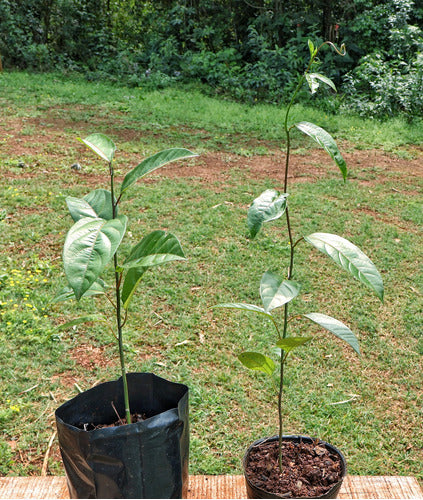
(101, 145)
(288, 344)
(98, 203)
(245, 307)
(132, 279)
(270, 205)
(257, 361)
(79, 208)
(101, 201)
(336, 327)
(154, 249)
(350, 258)
(326, 141)
(314, 79)
(311, 48)
(275, 292)
(83, 319)
(89, 246)
(97, 288)
(154, 162)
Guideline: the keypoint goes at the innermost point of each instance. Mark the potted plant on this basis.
(126, 438)
(298, 466)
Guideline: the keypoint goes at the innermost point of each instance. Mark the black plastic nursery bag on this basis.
(147, 459)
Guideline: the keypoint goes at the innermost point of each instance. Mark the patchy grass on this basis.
(173, 331)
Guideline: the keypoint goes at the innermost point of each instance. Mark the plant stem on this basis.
(121, 352)
(118, 309)
(291, 241)
(280, 413)
(291, 261)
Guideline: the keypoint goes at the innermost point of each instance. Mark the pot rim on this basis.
(295, 437)
(62, 412)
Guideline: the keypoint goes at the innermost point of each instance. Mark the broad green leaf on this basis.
(275, 292)
(132, 279)
(79, 208)
(154, 249)
(245, 307)
(350, 258)
(336, 327)
(314, 79)
(89, 246)
(288, 344)
(83, 319)
(98, 203)
(101, 201)
(257, 361)
(97, 288)
(154, 162)
(270, 205)
(101, 145)
(311, 48)
(326, 141)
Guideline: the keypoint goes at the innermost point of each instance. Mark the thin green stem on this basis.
(118, 309)
(291, 262)
(280, 396)
(291, 241)
(121, 351)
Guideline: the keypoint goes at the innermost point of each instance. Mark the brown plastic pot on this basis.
(256, 492)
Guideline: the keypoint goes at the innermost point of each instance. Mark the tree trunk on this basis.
(326, 19)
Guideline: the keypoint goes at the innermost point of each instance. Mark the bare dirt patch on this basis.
(23, 137)
(89, 357)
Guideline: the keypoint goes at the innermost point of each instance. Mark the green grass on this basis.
(200, 121)
(173, 329)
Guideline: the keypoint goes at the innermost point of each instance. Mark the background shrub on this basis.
(251, 51)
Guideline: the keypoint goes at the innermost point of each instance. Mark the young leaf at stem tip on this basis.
(102, 145)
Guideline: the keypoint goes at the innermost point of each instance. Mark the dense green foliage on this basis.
(248, 50)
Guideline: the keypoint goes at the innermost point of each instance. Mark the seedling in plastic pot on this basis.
(93, 243)
(277, 292)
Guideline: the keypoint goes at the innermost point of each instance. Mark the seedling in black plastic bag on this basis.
(93, 243)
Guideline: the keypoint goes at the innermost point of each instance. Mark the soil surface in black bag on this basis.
(309, 469)
(135, 417)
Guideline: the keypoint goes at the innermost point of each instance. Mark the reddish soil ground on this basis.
(22, 139)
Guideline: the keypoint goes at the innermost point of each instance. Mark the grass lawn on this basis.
(173, 330)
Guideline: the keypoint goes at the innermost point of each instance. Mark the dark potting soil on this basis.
(135, 417)
(309, 469)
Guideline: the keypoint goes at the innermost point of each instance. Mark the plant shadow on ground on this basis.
(204, 202)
